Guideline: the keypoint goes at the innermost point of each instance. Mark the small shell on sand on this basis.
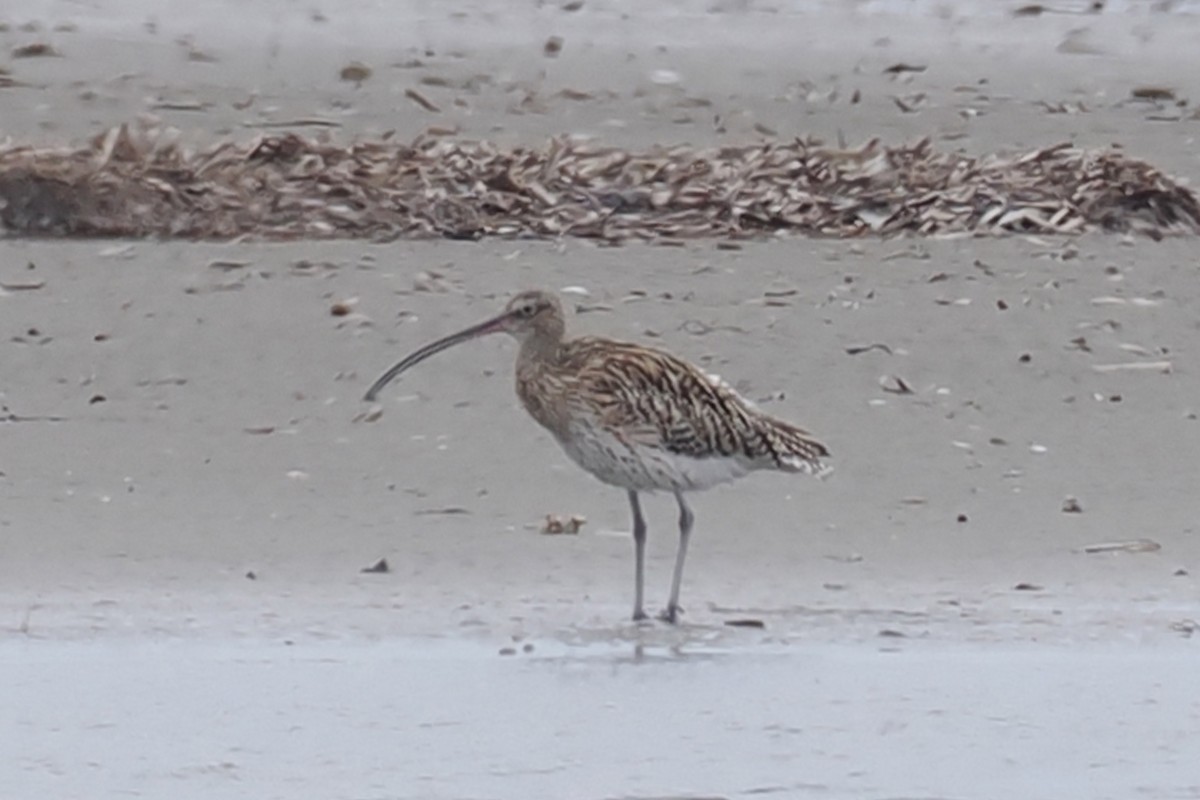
(555, 524)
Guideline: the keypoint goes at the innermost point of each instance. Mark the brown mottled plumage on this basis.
(635, 417)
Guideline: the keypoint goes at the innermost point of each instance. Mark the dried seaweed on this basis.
(138, 180)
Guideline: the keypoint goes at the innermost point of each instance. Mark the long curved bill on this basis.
(493, 325)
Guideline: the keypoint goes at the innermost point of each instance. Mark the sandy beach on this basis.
(994, 595)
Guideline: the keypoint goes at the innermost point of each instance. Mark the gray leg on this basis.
(685, 530)
(639, 551)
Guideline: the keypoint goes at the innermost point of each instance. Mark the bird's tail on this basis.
(794, 449)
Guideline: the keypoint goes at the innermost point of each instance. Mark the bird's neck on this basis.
(541, 350)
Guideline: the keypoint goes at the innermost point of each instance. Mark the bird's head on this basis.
(533, 313)
(531, 316)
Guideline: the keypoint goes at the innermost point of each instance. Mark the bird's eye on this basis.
(527, 310)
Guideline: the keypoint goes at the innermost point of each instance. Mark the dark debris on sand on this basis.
(138, 180)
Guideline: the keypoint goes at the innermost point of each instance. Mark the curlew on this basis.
(635, 417)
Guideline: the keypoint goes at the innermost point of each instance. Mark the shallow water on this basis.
(405, 719)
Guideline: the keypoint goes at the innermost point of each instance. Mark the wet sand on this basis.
(189, 492)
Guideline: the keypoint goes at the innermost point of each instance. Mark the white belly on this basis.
(645, 469)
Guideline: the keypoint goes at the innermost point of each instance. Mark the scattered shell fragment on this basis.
(140, 180)
(555, 524)
(1152, 93)
(910, 104)
(1071, 506)
(430, 281)
(355, 72)
(1080, 42)
(1185, 626)
(1138, 350)
(1079, 343)
(897, 69)
(855, 350)
(1131, 546)
(164, 104)
(421, 100)
(1140, 302)
(1135, 366)
(379, 567)
(373, 414)
(198, 56)
(35, 50)
(894, 384)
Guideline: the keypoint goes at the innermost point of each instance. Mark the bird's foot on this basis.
(670, 614)
(640, 615)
